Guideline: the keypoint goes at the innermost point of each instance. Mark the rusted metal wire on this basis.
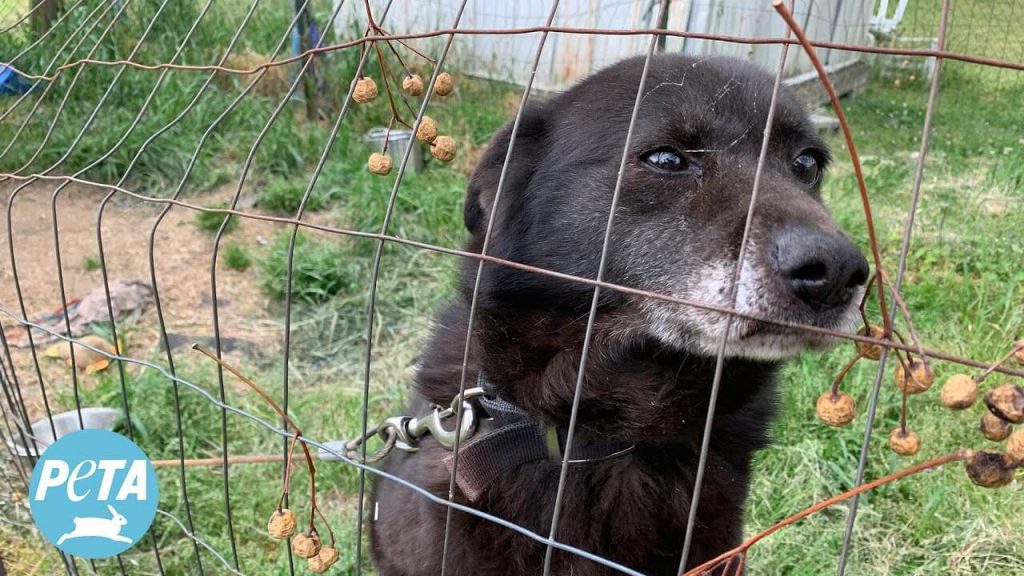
(893, 345)
(751, 40)
(901, 268)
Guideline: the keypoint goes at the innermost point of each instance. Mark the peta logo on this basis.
(93, 493)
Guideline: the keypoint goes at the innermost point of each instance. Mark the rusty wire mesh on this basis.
(92, 36)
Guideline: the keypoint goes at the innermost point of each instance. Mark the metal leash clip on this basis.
(404, 432)
(410, 430)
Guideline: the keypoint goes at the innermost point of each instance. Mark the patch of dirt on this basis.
(183, 255)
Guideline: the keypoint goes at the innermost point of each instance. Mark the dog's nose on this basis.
(821, 268)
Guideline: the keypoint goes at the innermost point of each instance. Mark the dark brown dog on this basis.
(677, 230)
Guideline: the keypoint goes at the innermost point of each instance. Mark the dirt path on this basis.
(183, 259)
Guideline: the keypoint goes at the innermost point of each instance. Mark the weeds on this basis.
(212, 221)
(91, 264)
(236, 258)
(320, 269)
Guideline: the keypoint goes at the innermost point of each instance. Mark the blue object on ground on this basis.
(11, 81)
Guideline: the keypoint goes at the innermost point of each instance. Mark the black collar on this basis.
(509, 437)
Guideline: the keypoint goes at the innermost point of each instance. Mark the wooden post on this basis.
(45, 12)
(308, 78)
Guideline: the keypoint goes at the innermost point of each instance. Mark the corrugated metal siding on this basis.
(568, 57)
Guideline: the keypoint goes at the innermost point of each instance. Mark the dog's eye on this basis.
(807, 169)
(665, 160)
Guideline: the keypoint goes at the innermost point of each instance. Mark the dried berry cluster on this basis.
(1004, 408)
(283, 523)
(319, 558)
(365, 91)
(914, 375)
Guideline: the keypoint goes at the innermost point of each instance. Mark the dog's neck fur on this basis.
(635, 389)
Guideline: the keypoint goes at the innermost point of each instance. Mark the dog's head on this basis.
(686, 188)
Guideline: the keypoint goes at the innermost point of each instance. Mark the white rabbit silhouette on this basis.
(109, 528)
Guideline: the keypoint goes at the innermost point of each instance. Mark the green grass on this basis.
(237, 257)
(963, 286)
(320, 270)
(212, 221)
(91, 264)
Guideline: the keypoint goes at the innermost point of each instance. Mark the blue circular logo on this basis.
(93, 493)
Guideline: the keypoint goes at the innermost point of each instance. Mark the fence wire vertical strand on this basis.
(293, 237)
(563, 473)
(56, 235)
(20, 409)
(153, 232)
(57, 53)
(246, 166)
(151, 243)
(933, 93)
(716, 382)
(375, 272)
(10, 231)
(23, 429)
(479, 273)
(99, 234)
(53, 215)
(67, 94)
(10, 434)
(106, 199)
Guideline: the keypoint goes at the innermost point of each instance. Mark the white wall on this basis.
(568, 57)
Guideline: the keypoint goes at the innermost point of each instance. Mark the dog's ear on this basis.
(526, 154)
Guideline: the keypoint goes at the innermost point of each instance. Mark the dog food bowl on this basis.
(64, 423)
(398, 142)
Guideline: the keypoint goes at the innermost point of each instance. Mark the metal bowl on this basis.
(64, 423)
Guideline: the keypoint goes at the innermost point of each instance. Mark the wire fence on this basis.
(199, 67)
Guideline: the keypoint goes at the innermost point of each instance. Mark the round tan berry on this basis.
(324, 559)
(306, 545)
(904, 442)
(1015, 447)
(959, 392)
(412, 85)
(990, 469)
(281, 524)
(918, 380)
(427, 130)
(1019, 354)
(836, 411)
(379, 164)
(443, 148)
(867, 350)
(1007, 402)
(995, 428)
(316, 565)
(444, 84)
(366, 90)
